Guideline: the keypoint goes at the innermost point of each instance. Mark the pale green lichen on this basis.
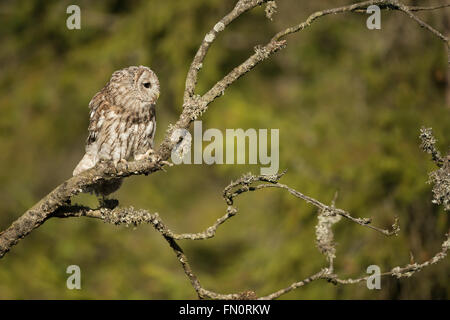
(428, 144)
(210, 37)
(219, 27)
(261, 52)
(130, 217)
(440, 179)
(324, 233)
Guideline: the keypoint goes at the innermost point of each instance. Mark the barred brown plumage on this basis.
(122, 121)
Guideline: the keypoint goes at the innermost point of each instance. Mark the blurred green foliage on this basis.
(348, 101)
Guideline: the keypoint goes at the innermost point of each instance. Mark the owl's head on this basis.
(146, 83)
(134, 83)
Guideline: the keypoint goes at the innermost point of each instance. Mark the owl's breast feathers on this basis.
(117, 132)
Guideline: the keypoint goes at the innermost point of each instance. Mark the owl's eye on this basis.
(147, 85)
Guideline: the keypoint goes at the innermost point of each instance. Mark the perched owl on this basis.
(122, 121)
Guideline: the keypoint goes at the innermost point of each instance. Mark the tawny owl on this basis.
(122, 121)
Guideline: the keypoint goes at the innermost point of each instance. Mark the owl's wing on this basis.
(100, 108)
(153, 120)
(101, 112)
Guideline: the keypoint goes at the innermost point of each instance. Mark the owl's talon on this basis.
(125, 162)
(152, 158)
(170, 164)
(116, 165)
(148, 155)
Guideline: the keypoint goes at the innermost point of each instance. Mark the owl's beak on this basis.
(157, 95)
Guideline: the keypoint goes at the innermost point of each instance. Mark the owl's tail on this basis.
(86, 163)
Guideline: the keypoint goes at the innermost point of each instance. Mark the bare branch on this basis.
(408, 270)
(383, 4)
(246, 185)
(428, 145)
(319, 275)
(276, 43)
(241, 7)
(130, 216)
(261, 53)
(62, 194)
(418, 8)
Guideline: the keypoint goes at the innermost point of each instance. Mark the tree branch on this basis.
(130, 216)
(241, 7)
